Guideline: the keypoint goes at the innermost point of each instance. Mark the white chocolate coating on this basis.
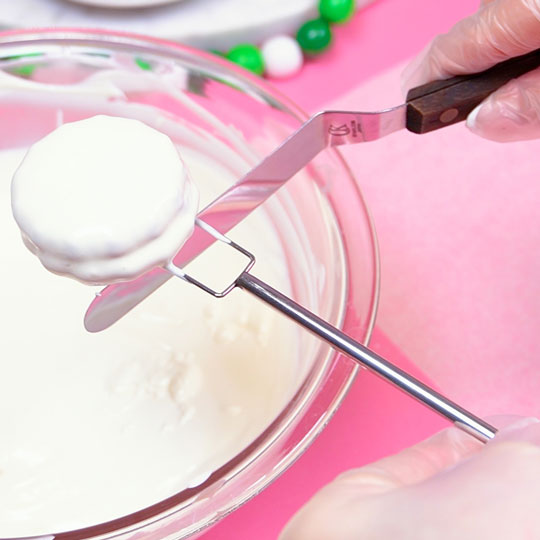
(104, 199)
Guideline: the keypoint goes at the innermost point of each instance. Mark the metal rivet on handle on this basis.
(448, 115)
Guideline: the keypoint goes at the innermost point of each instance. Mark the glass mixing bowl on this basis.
(319, 216)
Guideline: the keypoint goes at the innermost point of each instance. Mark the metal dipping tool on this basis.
(428, 107)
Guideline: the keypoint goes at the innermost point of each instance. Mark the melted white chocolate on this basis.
(96, 426)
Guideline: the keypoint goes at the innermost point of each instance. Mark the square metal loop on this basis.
(179, 272)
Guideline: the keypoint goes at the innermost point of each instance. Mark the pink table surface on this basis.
(459, 229)
(427, 265)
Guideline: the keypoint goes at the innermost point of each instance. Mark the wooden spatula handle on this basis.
(441, 103)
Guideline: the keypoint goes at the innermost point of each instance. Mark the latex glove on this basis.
(501, 29)
(449, 486)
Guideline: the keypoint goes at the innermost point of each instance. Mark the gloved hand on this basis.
(501, 29)
(448, 486)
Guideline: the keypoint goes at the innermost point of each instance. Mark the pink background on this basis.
(459, 230)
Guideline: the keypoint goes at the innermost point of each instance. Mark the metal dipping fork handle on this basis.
(367, 358)
(462, 418)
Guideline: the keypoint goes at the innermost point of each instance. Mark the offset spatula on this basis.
(428, 107)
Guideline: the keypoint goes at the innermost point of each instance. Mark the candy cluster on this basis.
(282, 56)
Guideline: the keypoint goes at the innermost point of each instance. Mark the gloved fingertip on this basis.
(525, 429)
(521, 424)
(512, 113)
(487, 121)
(472, 118)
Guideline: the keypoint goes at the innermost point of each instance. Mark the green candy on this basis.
(19, 56)
(336, 11)
(143, 64)
(247, 56)
(314, 36)
(25, 71)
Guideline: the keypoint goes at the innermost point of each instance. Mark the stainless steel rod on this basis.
(367, 358)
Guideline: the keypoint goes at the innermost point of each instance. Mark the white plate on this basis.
(216, 24)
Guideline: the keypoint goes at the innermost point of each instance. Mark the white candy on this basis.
(282, 56)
